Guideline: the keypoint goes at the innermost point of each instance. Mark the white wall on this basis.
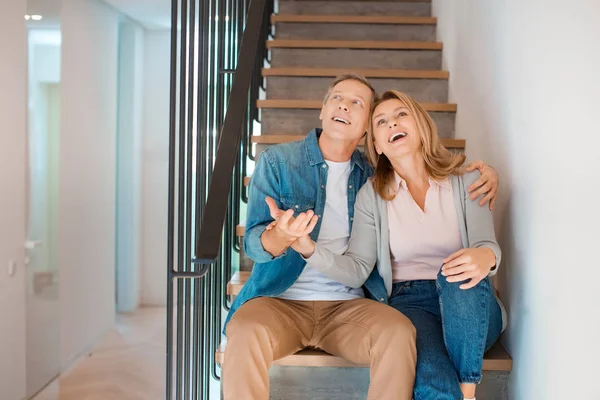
(156, 167)
(87, 174)
(525, 77)
(13, 147)
(129, 171)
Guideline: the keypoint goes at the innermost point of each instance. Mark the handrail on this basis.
(217, 51)
(208, 241)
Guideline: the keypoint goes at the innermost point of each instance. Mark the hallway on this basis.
(127, 364)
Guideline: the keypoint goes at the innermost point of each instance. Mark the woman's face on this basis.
(395, 130)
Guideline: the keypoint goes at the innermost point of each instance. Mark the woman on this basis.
(412, 218)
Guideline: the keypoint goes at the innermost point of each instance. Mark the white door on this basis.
(13, 137)
(43, 323)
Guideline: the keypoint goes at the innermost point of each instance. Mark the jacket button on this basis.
(350, 187)
(381, 299)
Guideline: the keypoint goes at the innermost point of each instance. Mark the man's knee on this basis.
(243, 325)
(396, 329)
(401, 326)
(248, 324)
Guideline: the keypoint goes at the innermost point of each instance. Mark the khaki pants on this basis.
(361, 330)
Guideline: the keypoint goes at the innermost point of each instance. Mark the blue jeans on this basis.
(455, 327)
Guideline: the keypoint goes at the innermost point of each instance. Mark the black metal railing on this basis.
(217, 50)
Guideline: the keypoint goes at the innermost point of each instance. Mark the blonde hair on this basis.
(351, 76)
(439, 161)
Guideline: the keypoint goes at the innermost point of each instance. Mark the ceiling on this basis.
(49, 9)
(152, 14)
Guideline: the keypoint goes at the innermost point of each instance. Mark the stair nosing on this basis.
(368, 73)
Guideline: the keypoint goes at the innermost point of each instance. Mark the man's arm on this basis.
(264, 183)
(275, 242)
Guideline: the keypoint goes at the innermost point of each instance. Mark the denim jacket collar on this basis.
(315, 156)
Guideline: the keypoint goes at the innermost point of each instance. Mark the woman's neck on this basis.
(412, 169)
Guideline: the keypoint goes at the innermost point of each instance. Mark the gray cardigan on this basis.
(370, 242)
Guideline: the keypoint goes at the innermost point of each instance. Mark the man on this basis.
(287, 305)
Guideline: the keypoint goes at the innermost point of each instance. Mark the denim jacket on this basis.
(294, 175)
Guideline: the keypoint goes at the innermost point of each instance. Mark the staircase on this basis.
(393, 44)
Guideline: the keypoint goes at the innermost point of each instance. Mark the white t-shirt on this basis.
(312, 285)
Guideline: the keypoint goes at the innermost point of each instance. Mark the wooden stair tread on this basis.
(317, 104)
(353, 44)
(497, 359)
(369, 73)
(240, 229)
(237, 282)
(354, 19)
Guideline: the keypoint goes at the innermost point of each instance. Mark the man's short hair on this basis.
(355, 77)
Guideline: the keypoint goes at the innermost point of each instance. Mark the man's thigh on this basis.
(286, 326)
(353, 328)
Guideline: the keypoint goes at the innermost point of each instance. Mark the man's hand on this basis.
(286, 225)
(285, 229)
(303, 245)
(472, 263)
(486, 185)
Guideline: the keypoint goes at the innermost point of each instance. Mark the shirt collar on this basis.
(399, 182)
(315, 156)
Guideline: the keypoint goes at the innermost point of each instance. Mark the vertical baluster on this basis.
(181, 197)
(171, 196)
(200, 192)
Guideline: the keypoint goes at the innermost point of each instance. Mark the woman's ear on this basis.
(377, 149)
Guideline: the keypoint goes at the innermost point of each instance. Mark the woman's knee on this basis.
(453, 288)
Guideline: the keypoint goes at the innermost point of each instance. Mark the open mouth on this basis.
(397, 136)
(341, 120)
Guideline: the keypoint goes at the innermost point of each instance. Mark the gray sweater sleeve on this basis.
(355, 265)
(479, 222)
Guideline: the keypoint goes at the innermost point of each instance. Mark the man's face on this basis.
(346, 114)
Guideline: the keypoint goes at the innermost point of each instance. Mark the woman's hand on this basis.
(305, 246)
(472, 263)
(486, 185)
